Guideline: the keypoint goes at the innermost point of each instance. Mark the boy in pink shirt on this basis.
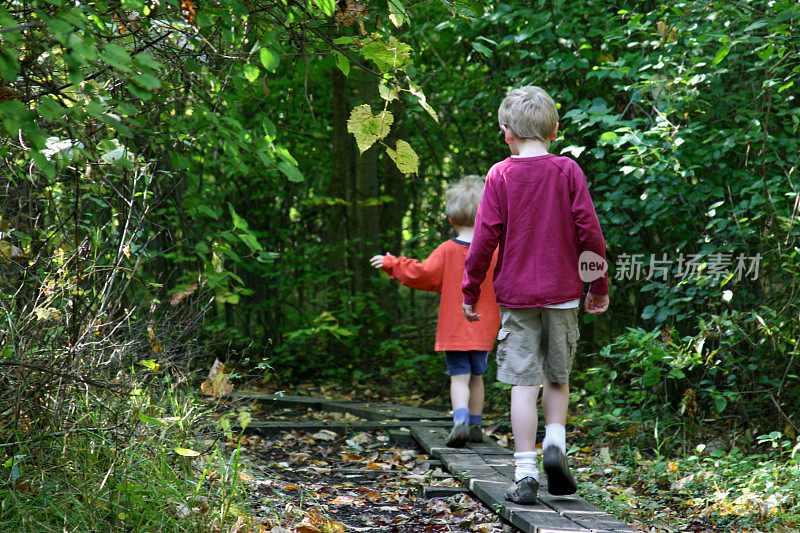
(536, 207)
(466, 344)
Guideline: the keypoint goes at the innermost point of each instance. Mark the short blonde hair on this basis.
(462, 199)
(528, 113)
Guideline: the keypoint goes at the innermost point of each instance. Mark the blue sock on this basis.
(461, 415)
(475, 420)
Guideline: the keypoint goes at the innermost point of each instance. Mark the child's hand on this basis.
(596, 305)
(377, 260)
(469, 313)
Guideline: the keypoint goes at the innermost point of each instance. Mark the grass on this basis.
(133, 462)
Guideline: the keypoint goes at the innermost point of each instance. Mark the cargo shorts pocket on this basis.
(572, 341)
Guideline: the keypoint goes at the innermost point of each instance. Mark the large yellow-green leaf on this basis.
(368, 128)
(404, 157)
(387, 55)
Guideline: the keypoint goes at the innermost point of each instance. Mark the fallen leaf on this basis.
(325, 435)
(179, 297)
(218, 382)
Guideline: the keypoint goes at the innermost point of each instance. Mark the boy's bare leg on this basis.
(524, 416)
(555, 401)
(460, 395)
(476, 395)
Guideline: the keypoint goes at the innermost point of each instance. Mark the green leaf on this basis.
(423, 101)
(49, 109)
(269, 59)
(720, 403)
(238, 222)
(404, 157)
(342, 62)
(291, 171)
(251, 72)
(186, 452)
(147, 80)
(326, 6)
(722, 53)
(146, 60)
(475, 6)
(387, 92)
(9, 65)
(368, 128)
(116, 57)
(133, 5)
(387, 55)
(397, 13)
(151, 364)
(482, 49)
(43, 164)
(251, 242)
(148, 419)
(244, 419)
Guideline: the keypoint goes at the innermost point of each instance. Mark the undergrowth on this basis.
(138, 460)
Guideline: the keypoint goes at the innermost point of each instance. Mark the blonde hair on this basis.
(462, 199)
(528, 113)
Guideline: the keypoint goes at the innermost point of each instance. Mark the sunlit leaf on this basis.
(368, 128)
(186, 452)
(404, 157)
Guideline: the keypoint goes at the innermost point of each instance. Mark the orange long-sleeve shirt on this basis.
(442, 272)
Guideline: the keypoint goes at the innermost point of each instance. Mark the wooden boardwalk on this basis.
(487, 469)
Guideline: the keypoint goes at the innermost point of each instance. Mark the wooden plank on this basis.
(273, 427)
(429, 438)
(564, 504)
(401, 437)
(489, 448)
(368, 410)
(599, 520)
(528, 518)
(432, 491)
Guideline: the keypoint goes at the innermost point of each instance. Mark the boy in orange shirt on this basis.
(466, 344)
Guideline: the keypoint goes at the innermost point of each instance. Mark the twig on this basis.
(788, 420)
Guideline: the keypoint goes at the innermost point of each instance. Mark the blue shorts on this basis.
(473, 362)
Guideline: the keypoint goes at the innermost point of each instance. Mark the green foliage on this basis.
(127, 464)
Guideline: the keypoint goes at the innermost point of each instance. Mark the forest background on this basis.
(183, 182)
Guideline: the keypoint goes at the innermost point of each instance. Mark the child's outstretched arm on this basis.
(426, 275)
(377, 260)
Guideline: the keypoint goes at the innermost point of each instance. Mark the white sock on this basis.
(555, 435)
(525, 465)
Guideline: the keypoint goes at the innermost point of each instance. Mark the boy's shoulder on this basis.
(559, 163)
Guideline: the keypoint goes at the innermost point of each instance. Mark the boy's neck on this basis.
(464, 233)
(529, 147)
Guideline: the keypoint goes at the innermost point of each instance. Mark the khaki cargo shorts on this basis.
(536, 343)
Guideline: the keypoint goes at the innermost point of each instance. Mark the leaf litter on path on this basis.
(310, 483)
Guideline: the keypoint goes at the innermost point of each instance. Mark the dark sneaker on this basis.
(475, 434)
(458, 436)
(523, 491)
(559, 478)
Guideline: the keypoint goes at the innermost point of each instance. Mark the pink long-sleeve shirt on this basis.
(539, 211)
